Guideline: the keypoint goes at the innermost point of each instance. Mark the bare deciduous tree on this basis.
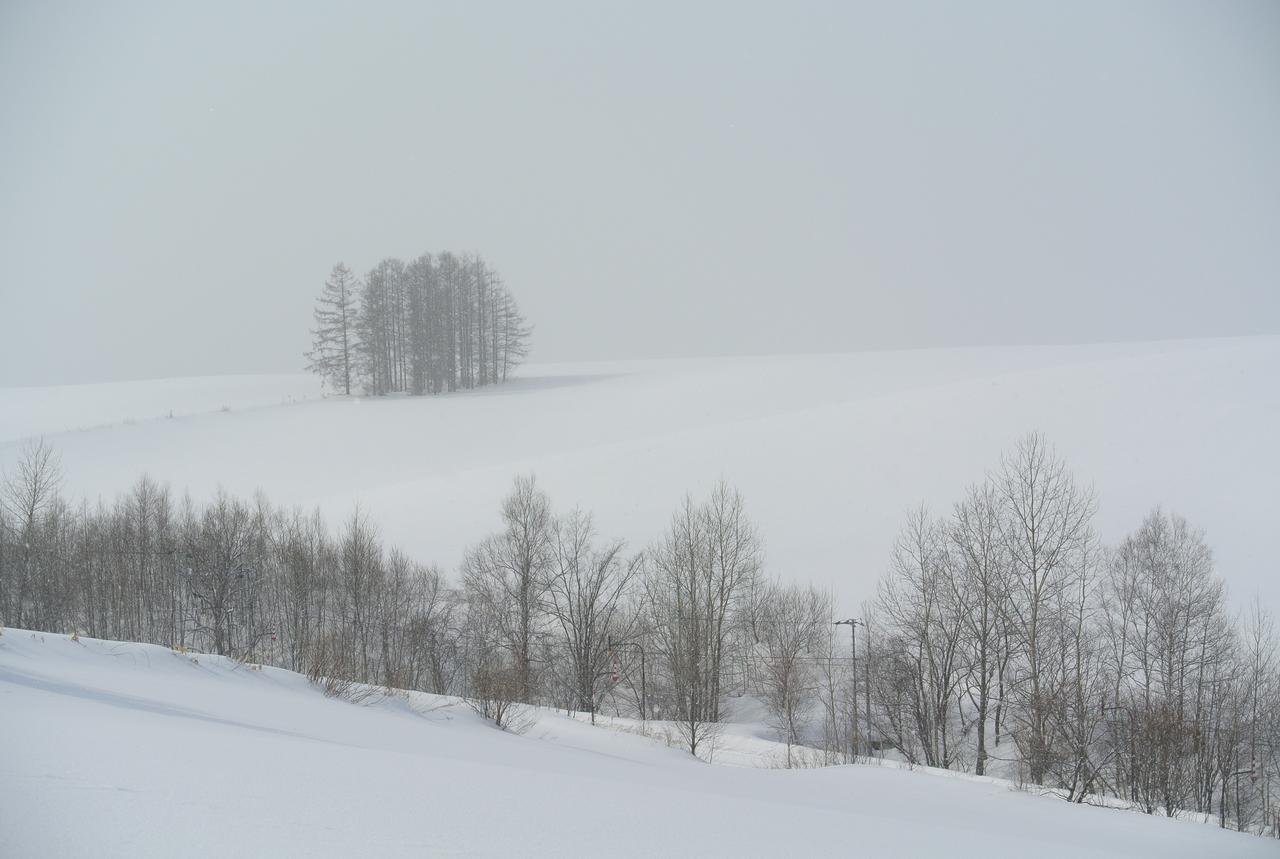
(585, 596)
(28, 496)
(507, 575)
(794, 626)
(1046, 525)
(919, 607)
(697, 575)
(982, 592)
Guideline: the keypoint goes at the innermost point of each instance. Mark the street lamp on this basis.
(853, 623)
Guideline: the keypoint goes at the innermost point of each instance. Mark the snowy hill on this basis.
(115, 749)
(829, 450)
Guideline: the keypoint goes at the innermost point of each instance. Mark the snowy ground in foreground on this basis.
(830, 450)
(114, 749)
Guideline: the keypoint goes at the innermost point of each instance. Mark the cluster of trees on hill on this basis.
(431, 325)
(1003, 640)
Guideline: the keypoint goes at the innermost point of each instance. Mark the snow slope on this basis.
(112, 749)
(830, 450)
(34, 411)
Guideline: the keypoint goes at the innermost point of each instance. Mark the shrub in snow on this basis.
(330, 664)
(494, 697)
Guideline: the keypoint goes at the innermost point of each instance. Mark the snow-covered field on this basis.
(830, 450)
(33, 411)
(115, 749)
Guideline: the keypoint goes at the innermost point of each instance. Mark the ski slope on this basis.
(129, 750)
(829, 450)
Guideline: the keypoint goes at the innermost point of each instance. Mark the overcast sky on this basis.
(176, 179)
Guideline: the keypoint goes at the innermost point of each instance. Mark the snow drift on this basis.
(114, 749)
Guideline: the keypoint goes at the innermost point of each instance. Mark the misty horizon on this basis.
(729, 181)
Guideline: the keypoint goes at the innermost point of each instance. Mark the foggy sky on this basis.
(176, 179)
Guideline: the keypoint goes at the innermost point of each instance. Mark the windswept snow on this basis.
(829, 450)
(68, 408)
(115, 749)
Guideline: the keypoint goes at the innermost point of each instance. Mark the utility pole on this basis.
(853, 624)
(867, 687)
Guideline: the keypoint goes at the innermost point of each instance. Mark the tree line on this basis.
(1006, 632)
(1003, 639)
(435, 324)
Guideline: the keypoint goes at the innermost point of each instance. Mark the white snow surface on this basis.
(113, 749)
(26, 412)
(829, 450)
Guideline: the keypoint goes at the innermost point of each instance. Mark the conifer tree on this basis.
(436, 324)
(333, 337)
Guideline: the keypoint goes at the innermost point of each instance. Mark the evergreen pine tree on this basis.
(333, 337)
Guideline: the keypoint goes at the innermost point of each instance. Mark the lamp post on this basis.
(853, 623)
